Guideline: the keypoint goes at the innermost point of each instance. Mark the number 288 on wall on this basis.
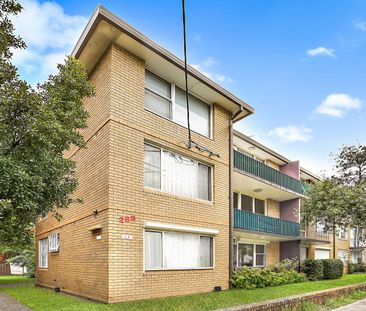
(127, 218)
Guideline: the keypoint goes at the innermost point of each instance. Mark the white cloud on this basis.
(205, 67)
(336, 105)
(291, 133)
(361, 25)
(49, 33)
(321, 51)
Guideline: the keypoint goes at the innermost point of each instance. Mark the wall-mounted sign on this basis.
(127, 237)
(127, 218)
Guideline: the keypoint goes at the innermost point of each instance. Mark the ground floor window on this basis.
(43, 253)
(175, 250)
(250, 255)
(356, 256)
(342, 255)
(322, 253)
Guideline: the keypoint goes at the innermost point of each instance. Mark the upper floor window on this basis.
(169, 101)
(342, 233)
(321, 227)
(176, 174)
(249, 204)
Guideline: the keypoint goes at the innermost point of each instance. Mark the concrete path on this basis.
(357, 306)
(8, 303)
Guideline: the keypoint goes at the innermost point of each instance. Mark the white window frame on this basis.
(160, 189)
(54, 242)
(162, 246)
(173, 104)
(253, 202)
(254, 254)
(342, 229)
(343, 258)
(320, 227)
(40, 265)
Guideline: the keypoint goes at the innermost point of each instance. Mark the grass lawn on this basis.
(11, 279)
(332, 304)
(40, 299)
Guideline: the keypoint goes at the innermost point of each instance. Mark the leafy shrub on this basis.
(356, 267)
(250, 278)
(285, 265)
(312, 268)
(351, 268)
(332, 268)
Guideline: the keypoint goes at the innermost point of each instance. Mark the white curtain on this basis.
(199, 112)
(160, 104)
(151, 166)
(181, 250)
(43, 253)
(153, 250)
(179, 175)
(206, 251)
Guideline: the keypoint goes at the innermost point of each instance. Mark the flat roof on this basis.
(105, 28)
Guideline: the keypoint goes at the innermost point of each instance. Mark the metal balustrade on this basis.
(260, 223)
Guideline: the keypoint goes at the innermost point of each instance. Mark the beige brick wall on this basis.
(131, 125)
(81, 266)
(110, 172)
(273, 253)
(273, 208)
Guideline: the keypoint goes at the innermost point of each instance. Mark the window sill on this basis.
(175, 196)
(178, 269)
(42, 268)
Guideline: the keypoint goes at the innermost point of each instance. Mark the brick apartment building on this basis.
(159, 219)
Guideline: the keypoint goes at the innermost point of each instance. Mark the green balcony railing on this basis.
(260, 223)
(263, 171)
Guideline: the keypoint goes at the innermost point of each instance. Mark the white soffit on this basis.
(104, 28)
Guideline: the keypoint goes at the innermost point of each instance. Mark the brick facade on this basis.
(110, 172)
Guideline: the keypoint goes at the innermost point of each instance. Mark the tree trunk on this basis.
(334, 241)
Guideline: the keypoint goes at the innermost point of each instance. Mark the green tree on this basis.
(334, 204)
(350, 164)
(351, 170)
(37, 125)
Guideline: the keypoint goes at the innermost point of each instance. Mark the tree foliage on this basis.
(333, 203)
(37, 125)
(351, 164)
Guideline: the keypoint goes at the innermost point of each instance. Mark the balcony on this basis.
(260, 223)
(249, 165)
(312, 234)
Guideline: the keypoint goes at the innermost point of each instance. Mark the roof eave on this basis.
(101, 13)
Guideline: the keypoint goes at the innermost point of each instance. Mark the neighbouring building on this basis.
(160, 219)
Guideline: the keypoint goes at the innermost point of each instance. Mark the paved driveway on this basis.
(357, 306)
(8, 303)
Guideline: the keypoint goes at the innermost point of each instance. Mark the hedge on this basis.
(250, 278)
(356, 267)
(312, 268)
(332, 268)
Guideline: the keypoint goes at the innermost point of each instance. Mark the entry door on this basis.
(322, 254)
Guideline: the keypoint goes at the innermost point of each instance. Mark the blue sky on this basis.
(300, 64)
